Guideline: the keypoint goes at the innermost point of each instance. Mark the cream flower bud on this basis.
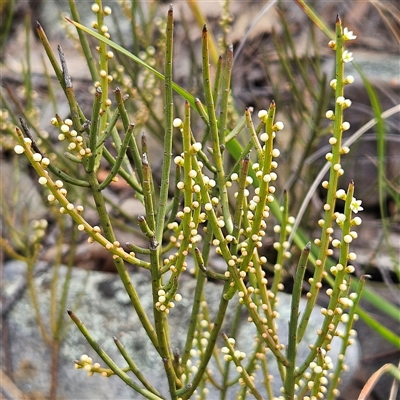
(177, 123)
(340, 100)
(64, 128)
(262, 114)
(341, 194)
(347, 103)
(346, 126)
(356, 221)
(275, 153)
(278, 126)
(330, 114)
(196, 147)
(348, 80)
(19, 149)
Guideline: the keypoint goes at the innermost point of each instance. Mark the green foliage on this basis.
(224, 195)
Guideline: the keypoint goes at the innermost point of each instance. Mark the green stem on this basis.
(160, 317)
(225, 94)
(289, 383)
(120, 157)
(110, 363)
(134, 368)
(133, 145)
(84, 44)
(94, 128)
(217, 80)
(281, 250)
(119, 263)
(128, 177)
(168, 110)
(216, 145)
(210, 347)
(200, 283)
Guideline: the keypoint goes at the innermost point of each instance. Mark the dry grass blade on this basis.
(374, 378)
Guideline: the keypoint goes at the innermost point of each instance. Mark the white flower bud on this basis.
(177, 123)
(19, 149)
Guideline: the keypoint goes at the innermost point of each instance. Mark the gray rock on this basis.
(100, 301)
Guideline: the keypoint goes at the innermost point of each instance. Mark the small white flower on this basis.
(356, 205)
(347, 56)
(348, 35)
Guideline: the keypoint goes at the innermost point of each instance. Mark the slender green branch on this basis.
(107, 359)
(120, 157)
(135, 369)
(168, 110)
(216, 145)
(225, 95)
(289, 383)
(94, 130)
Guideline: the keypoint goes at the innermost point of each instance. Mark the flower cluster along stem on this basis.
(107, 241)
(352, 317)
(278, 269)
(335, 172)
(243, 372)
(261, 207)
(101, 12)
(338, 300)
